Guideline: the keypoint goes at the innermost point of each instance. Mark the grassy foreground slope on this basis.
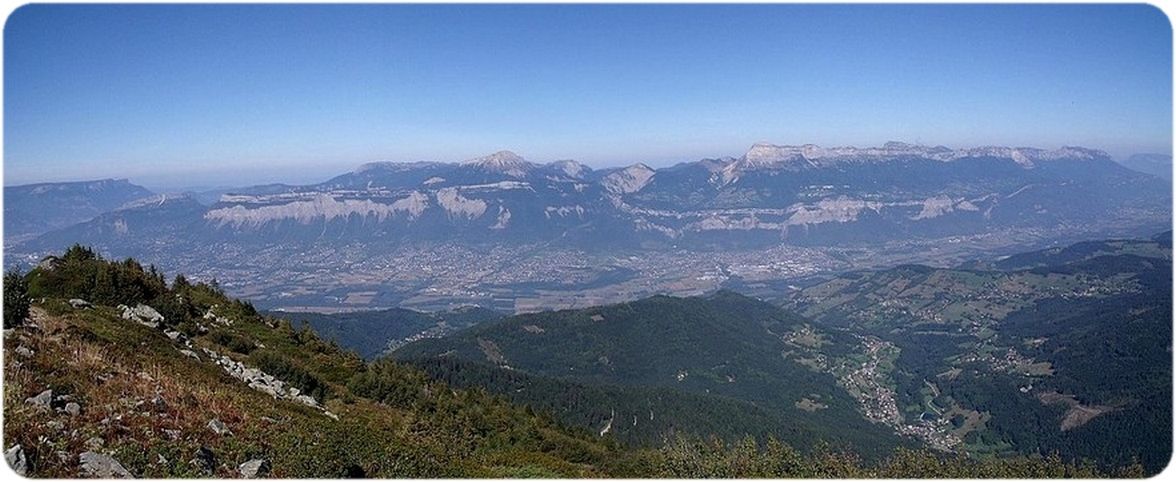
(169, 398)
(148, 404)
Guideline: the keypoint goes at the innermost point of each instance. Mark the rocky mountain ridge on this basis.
(888, 199)
(790, 194)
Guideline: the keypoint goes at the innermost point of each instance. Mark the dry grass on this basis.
(116, 386)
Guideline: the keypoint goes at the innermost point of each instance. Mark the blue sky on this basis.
(175, 95)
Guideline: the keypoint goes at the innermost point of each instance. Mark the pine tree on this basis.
(16, 299)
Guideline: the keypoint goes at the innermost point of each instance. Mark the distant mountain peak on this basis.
(504, 162)
(763, 154)
(570, 168)
(629, 180)
(500, 158)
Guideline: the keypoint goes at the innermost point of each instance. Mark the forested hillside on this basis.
(724, 344)
(374, 333)
(1066, 349)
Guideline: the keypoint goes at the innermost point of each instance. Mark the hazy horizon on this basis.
(171, 182)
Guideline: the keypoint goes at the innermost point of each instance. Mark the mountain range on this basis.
(34, 209)
(1159, 165)
(887, 198)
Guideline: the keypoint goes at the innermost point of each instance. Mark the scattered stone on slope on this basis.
(219, 427)
(80, 303)
(102, 466)
(264, 382)
(24, 351)
(204, 460)
(15, 457)
(73, 408)
(220, 320)
(42, 400)
(254, 468)
(143, 314)
(191, 354)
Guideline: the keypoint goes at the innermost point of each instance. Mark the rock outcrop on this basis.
(219, 427)
(96, 465)
(264, 382)
(15, 457)
(143, 314)
(41, 400)
(254, 468)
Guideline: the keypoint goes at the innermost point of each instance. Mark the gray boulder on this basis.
(49, 263)
(143, 314)
(254, 468)
(42, 400)
(80, 303)
(100, 466)
(219, 427)
(308, 401)
(73, 408)
(15, 457)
